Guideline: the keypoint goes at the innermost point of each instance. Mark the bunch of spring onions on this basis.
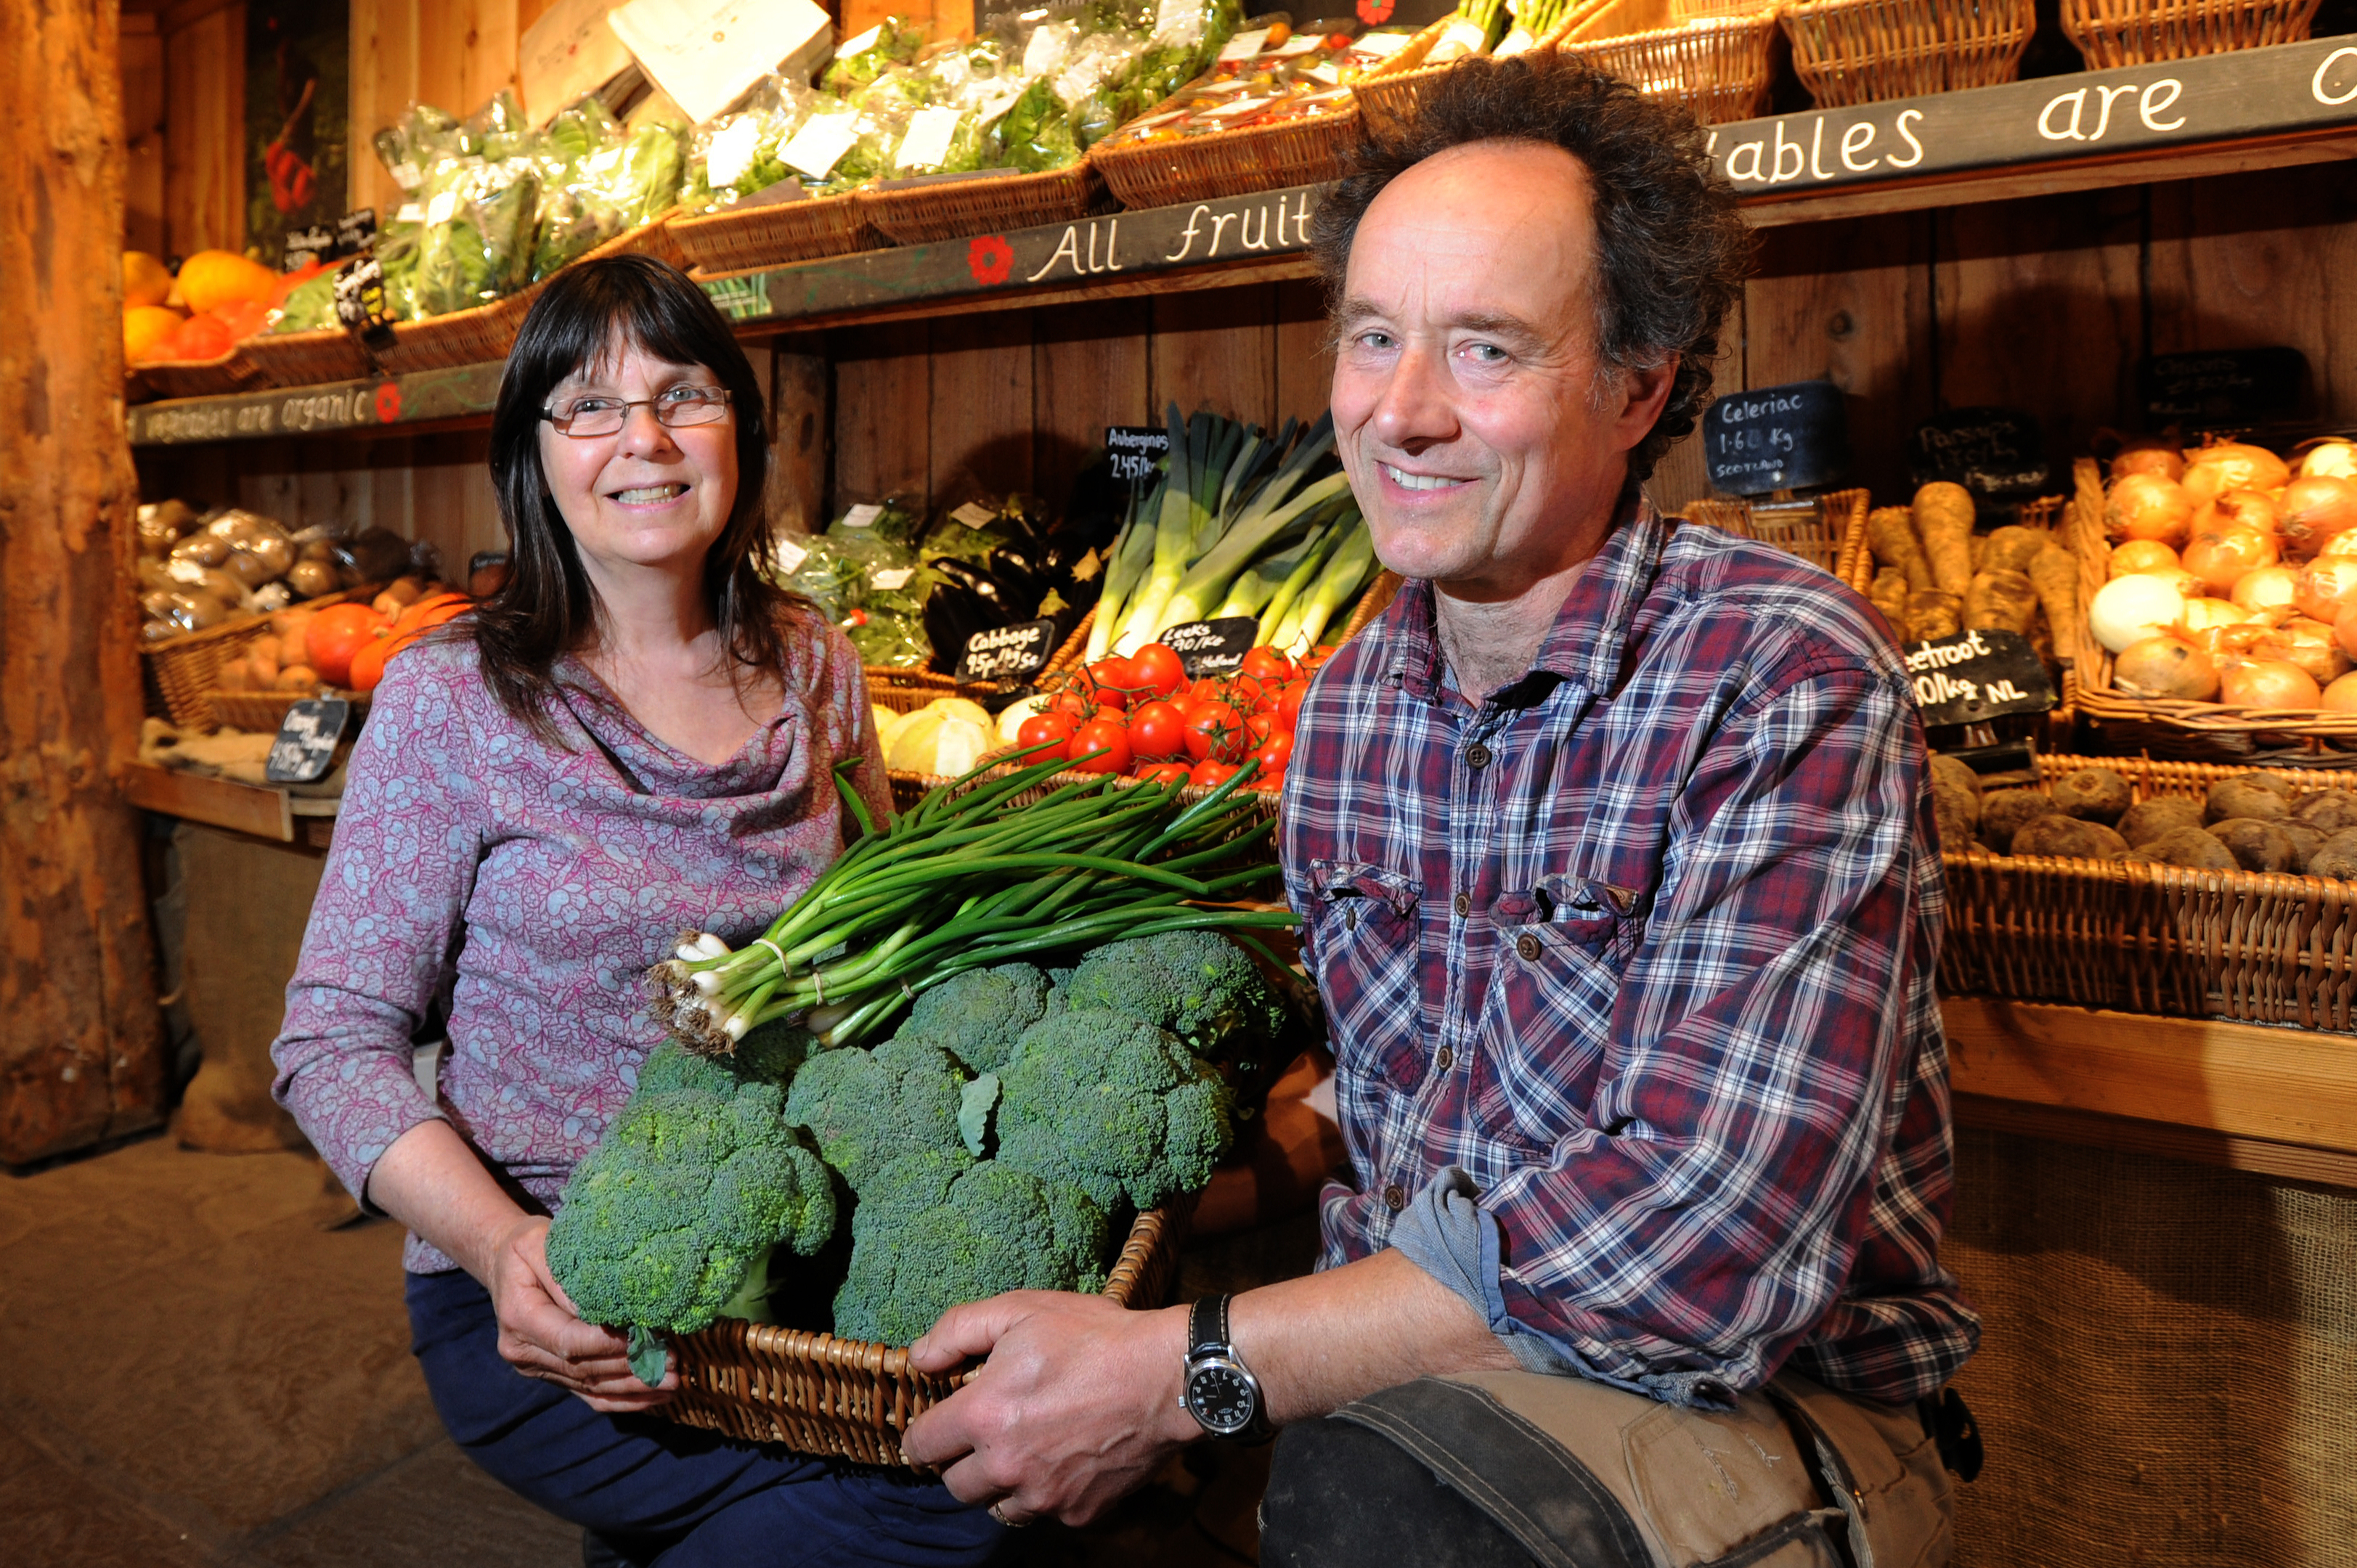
(1239, 524)
(965, 880)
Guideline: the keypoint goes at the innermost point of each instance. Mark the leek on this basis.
(1353, 564)
(1279, 614)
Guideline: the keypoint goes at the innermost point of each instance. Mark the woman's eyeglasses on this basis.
(585, 417)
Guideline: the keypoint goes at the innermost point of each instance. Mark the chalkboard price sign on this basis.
(2228, 385)
(1976, 677)
(306, 747)
(1989, 451)
(1211, 647)
(1007, 653)
(1132, 450)
(1777, 438)
(361, 303)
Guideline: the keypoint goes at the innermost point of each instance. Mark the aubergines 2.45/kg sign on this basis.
(2212, 97)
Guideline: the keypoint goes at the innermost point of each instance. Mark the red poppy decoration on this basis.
(1374, 13)
(990, 258)
(388, 402)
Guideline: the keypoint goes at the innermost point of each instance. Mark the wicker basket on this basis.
(2254, 946)
(233, 372)
(263, 712)
(1719, 66)
(182, 676)
(2199, 732)
(848, 1398)
(307, 359)
(747, 239)
(1216, 164)
(1824, 537)
(906, 691)
(1863, 51)
(486, 332)
(1857, 566)
(952, 209)
(1389, 95)
(2112, 33)
(1069, 652)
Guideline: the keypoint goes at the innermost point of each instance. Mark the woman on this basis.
(634, 735)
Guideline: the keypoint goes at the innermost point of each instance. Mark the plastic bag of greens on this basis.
(860, 60)
(891, 638)
(411, 146)
(620, 185)
(498, 131)
(477, 243)
(816, 569)
(737, 155)
(396, 249)
(308, 306)
(1035, 135)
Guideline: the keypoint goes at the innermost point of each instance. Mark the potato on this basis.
(1932, 613)
(2336, 857)
(263, 662)
(2255, 845)
(2149, 820)
(2329, 812)
(2305, 842)
(2093, 794)
(298, 678)
(2275, 781)
(2231, 797)
(2193, 849)
(2004, 812)
(2000, 601)
(2013, 548)
(204, 548)
(2068, 838)
(1962, 776)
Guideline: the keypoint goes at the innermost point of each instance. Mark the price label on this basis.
(974, 514)
(927, 140)
(861, 44)
(1776, 438)
(1211, 647)
(892, 579)
(1134, 449)
(2229, 386)
(1976, 677)
(355, 232)
(360, 302)
(306, 747)
(862, 516)
(1989, 451)
(443, 207)
(1008, 652)
(1383, 45)
(788, 556)
(820, 145)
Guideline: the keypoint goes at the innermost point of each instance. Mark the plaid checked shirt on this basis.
(1644, 946)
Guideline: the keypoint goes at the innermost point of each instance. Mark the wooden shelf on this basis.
(259, 810)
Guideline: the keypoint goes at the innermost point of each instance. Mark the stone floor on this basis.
(205, 1369)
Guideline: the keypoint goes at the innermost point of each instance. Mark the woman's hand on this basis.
(543, 1337)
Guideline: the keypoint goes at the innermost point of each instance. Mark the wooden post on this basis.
(80, 1036)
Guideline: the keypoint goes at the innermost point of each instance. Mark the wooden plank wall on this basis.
(143, 134)
(203, 58)
(453, 54)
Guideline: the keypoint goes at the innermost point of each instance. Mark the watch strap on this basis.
(1206, 1326)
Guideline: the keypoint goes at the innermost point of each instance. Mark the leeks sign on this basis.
(2056, 119)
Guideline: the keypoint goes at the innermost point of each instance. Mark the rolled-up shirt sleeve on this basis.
(383, 928)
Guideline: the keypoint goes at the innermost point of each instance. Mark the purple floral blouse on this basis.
(525, 888)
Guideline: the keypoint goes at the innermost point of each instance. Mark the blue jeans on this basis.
(669, 1494)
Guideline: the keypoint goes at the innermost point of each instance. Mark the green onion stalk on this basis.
(963, 880)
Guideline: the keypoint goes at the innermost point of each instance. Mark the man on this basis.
(1615, 856)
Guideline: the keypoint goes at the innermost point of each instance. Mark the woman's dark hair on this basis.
(547, 607)
(1671, 251)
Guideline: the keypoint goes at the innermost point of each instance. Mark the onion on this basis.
(2269, 588)
(2317, 508)
(2143, 555)
(2148, 454)
(2146, 506)
(2236, 637)
(2308, 644)
(2338, 458)
(2341, 695)
(2208, 615)
(2129, 609)
(2241, 509)
(2221, 557)
(2324, 585)
(2267, 683)
(2232, 466)
(2166, 667)
(2344, 630)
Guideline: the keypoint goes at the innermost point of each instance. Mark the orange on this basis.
(145, 280)
(216, 277)
(144, 327)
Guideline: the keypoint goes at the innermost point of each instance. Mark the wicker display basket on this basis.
(1858, 567)
(1825, 536)
(182, 675)
(952, 209)
(2112, 33)
(1388, 96)
(486, 332)
(307, 359)
(906, 691)
(776, 233)
(233, 372)
(2259, 947)
(1069, 652)
(1719, 68)
(263, 712)
(1229, 163)
(1863, 51)
(848, 1399)
(2197, 732)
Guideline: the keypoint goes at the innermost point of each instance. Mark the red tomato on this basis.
(1158, 670)
(1217, 733)
(1288, 706)
(1158, 729)
(1117, 679)
(1265, 663)
(1269, 783)
(1275, 753)
(1244, 692)
(1111, 714)
(1075, 705)
(1206, 774)
(1100, 747)
(1208, 689)
(1186, 703)
(1164, 773)
(1260, 726)
(1042, 728)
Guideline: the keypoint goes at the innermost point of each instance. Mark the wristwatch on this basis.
(1220, 1391)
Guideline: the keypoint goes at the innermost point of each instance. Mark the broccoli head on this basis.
(936, 1229)
(1197, 984)
(1115, 1105)
(978, 1015)
(698, 1177)
(866, 1108)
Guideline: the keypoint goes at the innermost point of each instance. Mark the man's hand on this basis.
(543, 1337)
(1075, 1407)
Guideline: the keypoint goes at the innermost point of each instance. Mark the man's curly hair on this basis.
(1671, 251)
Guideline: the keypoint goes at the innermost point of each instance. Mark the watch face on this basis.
(1223, 1398)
